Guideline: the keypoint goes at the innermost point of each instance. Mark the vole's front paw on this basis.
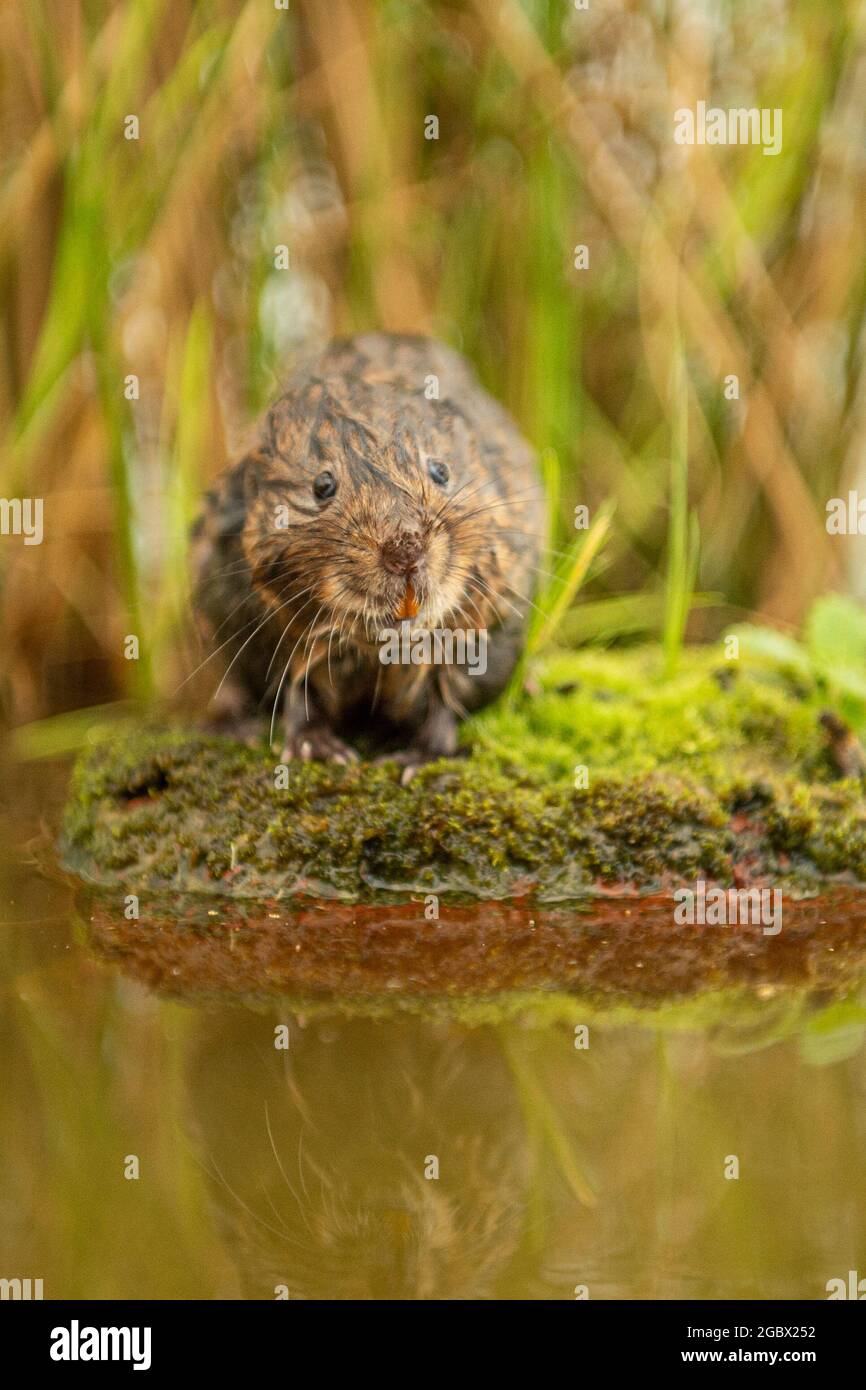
(412, 759)
(316, 743)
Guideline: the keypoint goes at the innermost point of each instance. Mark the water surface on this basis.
(415, 1048)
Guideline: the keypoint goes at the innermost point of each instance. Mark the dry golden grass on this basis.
(260, 127)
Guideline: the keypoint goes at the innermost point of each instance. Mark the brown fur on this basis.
(298, 589)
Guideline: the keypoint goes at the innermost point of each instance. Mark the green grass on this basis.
(260, 127)
(683, 534)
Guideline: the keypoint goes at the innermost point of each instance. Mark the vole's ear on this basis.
(253, 472)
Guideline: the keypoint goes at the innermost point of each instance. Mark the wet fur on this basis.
(298, 607)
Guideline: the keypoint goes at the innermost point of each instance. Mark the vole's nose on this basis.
(401, 553)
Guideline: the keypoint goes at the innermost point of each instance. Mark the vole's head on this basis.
(368, 526)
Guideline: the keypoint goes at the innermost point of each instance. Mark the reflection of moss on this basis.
(722, 766)
(610, 963)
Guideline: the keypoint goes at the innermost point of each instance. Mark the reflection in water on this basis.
(314, 1167)
(319, 1177)
(556, 1168)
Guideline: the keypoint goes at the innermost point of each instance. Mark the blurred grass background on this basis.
(305, 128)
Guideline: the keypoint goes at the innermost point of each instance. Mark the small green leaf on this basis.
(775, 648)
(835, 634)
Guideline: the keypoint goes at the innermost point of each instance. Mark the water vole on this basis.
(387, 492)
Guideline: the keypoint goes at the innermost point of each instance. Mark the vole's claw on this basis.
(317, 744)
(411, 760)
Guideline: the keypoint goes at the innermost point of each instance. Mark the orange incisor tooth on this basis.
(409, 603)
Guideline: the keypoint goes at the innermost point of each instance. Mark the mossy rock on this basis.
(721, 773)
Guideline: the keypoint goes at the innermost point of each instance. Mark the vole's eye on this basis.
(439, 472)
(325, 486)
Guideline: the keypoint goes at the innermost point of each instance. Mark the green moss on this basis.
(722, 769)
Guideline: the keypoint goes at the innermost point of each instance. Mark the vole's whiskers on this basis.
(216, 652)
(524, 598)
(285, 671)
(450, 501)
(492, 595)
(231, 638)
(337, 596)
(310, 645)
(516, 531)
(495, 596)
(467, 598)
(271, 613)
(287, 629)
(492, 506)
